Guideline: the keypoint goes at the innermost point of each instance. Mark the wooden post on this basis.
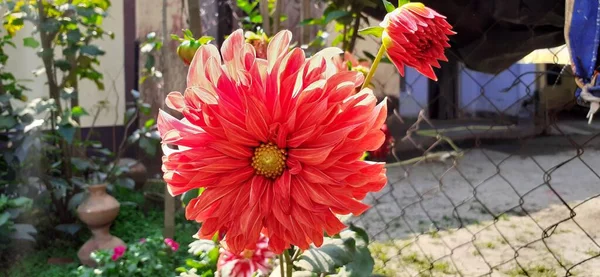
(194, 17)
(443, 94)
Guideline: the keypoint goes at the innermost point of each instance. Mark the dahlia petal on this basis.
(175, 101)
(255, 121)
(196, 72)
(258, 186)
(206, 199)
(427, 71)
(199, 95)
(310, 156)
(278, 46)
(232, 150)
(231, 50)
(281, 189)
(167, 122)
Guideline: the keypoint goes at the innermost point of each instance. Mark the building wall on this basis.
(23, 61)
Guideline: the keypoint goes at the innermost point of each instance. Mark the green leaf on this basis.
(31, 42)
(189, 195)
(188, 34)
(145, 108)
(78, 111)
(149, 123)
(360, 233)
(73, 36)
(311, 21)
(67, 132)
(62, 64)
(20, 202)
(175, 37)
(81, 164)
(58, 183)
(375, 31)
(361, 265)
(403, 2)
(71, 229)
(205, 39)
(389, 7)
(129, 114)
(126, 183)
(91, 50)
(333, 15)
(4, 218)
(7, 121)
(333, 254)
(148, 146)
(75, 201)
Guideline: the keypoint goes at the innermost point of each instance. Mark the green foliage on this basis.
(389, 7)
(205, 255)
(346, 254)
(148, 257)
(347, 17)
(60, 161)
(10, 209)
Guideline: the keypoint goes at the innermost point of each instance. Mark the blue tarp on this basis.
(582, 34)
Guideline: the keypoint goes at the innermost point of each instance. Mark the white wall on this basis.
(23, 61)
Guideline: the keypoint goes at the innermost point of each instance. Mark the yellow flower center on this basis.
(247, 254)
(268, 160)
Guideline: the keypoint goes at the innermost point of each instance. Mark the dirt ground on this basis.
(505, 209)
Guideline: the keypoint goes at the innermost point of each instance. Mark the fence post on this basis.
(444, 94)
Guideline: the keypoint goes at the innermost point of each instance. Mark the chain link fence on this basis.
(508, 186)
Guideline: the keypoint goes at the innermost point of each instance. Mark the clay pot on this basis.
(98, 211)
(137, 172)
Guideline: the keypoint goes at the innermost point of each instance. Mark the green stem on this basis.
(289, 263)
(281, 263)
(380, 54)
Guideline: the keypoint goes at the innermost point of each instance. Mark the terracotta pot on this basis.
(98, 211)
(137, 172)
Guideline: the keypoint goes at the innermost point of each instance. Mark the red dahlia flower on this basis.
(247, 262)
(416, 35)
(275, 143)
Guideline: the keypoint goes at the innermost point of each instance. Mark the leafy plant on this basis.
(346, 254)
(347, 17)
(70, 28)
(205, 255)
(10, 209)
(253, 19)
(153, 256)
(64, 38)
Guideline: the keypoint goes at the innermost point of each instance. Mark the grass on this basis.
(419, 263)
(131, 225)
(533, 271)
(592, 252)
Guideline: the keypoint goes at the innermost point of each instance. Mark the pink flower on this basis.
(275, 142)
(247, 262)
(143, 240)
(171, 243)
(118, 252)
(350, 63)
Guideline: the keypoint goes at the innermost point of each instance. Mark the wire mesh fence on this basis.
(507, 186)
(490, 174)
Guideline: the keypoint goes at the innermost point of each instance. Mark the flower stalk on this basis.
(376, 62)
